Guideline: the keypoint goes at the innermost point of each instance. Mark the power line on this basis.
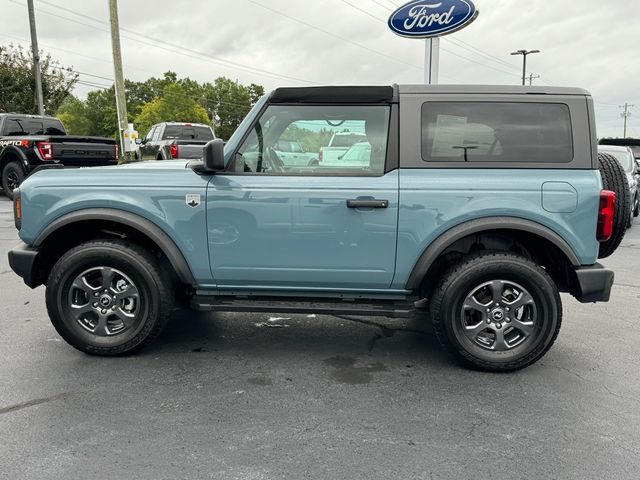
(467, 46)
(442, 48)
(344, 39)
(382, 5)
(363, 11)
(178, 49)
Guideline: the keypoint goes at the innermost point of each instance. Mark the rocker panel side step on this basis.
(318, 306)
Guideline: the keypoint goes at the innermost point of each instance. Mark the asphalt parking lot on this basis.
(240, 396)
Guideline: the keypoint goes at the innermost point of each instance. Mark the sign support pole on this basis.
(432, 61)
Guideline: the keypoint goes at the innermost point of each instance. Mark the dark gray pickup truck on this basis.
(169, 140)
(28, 142)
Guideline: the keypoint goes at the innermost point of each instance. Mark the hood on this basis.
(156, 172)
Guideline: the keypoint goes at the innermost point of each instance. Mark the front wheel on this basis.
(108, 297)
(496, 312)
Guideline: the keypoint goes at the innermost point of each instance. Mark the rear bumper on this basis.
(593, 284)
(23, 261)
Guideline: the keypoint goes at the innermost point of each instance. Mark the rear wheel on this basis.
(614, 179)
(496, 312)
(12, 177)
(108, 297)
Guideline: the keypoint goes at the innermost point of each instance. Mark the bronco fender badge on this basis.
(193, 200)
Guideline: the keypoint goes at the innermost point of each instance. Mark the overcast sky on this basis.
(587, 43)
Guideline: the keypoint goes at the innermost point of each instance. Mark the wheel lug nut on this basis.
(113, 308)
(104, 311)
(488, 310)
(488, 321)
(508, 320)
(95, 305)
(499, 326)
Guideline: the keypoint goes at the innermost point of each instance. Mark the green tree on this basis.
(173, 105)
(229, 102)
(17, 83)
(73, 114)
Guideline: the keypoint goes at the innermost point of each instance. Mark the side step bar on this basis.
(382, 308)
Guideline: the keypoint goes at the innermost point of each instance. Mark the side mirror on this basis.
(213, 156)
(138, 141)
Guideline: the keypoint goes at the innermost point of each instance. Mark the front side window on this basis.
(502, 132)
(150, 134)
(300, 140)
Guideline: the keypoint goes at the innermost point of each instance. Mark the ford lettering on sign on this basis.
(432, 18)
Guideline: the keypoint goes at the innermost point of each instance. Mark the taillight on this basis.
(46, 150)
(17, 208)
(173, 150)
(605, 215)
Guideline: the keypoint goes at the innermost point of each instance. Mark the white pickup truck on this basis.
(339, 145)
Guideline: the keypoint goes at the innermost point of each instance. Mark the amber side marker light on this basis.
(17, 209)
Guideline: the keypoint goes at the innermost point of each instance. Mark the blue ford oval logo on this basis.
(432, 18)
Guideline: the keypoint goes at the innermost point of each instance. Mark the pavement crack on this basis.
(31, 403)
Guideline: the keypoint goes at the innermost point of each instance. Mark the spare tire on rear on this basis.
(614, 179)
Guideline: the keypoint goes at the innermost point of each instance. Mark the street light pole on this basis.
(524, 54)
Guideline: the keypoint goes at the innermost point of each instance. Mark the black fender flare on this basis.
(141, 224)
(13, 151)
(448, 238)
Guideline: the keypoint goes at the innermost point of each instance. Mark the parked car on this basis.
(479, 242)
(632, 143)
(28, 142)
(624, 155)
(358, 155)
(338, 145)
(294, 154)
(169, 140)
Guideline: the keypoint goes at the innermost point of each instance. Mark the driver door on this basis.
(274, 224)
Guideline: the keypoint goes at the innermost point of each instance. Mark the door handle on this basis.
(367, 203)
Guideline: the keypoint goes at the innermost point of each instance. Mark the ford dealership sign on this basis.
(432, 18)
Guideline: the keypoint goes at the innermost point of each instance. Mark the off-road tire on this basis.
(12, 170)
(446, 307)
(152, 281)
(614, 179)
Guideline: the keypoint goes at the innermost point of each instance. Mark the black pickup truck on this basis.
(171, 140)
(29, 141)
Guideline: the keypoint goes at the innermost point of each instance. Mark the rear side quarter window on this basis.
(500, 132)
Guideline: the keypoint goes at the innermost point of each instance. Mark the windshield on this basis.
(346, 140)
(624, 157)
(33, 126)
(636, 150)
(187, 132)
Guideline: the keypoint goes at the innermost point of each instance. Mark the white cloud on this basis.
(590, 44)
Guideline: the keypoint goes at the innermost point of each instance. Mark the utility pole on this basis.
(625, 114)
(36, 57)
(532, 77)
(121, 99)
(524, 54)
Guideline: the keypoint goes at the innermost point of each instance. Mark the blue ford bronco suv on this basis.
(475, 207)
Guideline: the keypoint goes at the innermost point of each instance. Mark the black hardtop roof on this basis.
(353, 94)
(389, 94)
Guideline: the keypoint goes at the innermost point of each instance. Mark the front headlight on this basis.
(17, 208)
